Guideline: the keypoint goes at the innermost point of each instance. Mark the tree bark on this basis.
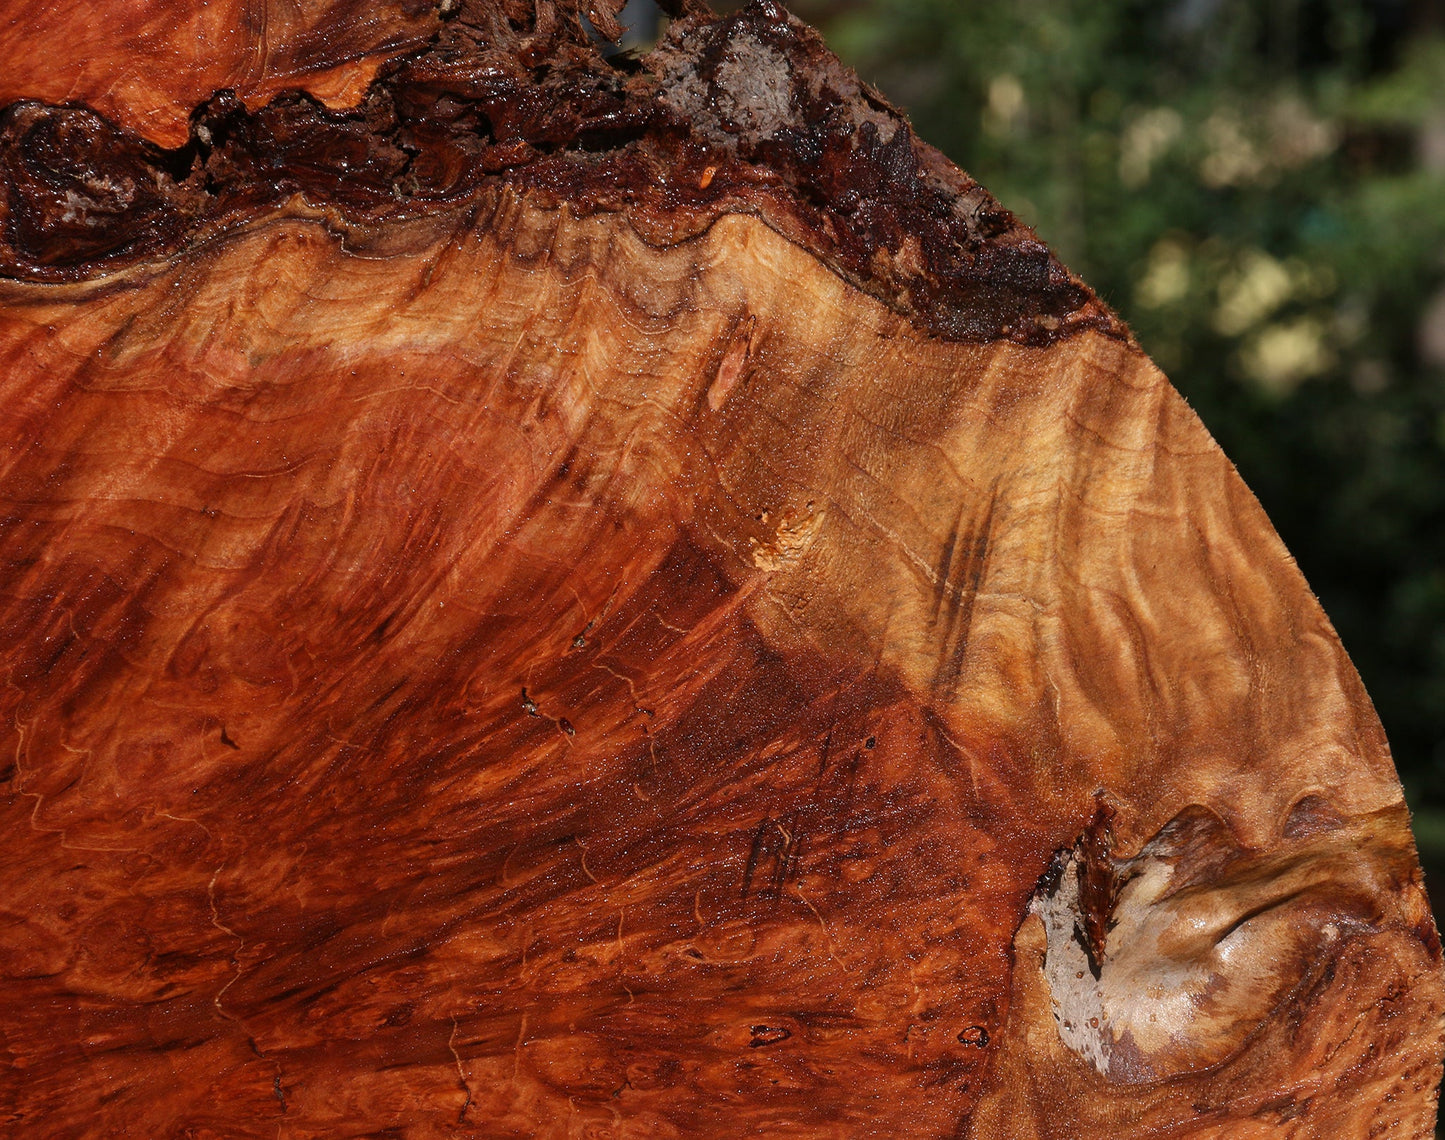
(546, 596)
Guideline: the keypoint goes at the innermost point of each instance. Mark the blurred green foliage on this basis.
(1259, 188)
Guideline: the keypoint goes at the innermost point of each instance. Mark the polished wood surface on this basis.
(147, 63)
(511, 661)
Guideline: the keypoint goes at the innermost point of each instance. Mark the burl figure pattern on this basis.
(552, 596)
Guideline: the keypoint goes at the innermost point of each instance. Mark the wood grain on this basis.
(523, 662)
(147, 63)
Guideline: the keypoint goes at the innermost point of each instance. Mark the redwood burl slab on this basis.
(570, 598)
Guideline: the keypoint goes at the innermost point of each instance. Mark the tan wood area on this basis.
(512, 669)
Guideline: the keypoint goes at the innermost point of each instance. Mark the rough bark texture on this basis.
(572, 598)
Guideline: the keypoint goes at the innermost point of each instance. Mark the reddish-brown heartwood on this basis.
(551, 597)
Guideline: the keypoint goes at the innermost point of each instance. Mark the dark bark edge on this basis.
(745, 114)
